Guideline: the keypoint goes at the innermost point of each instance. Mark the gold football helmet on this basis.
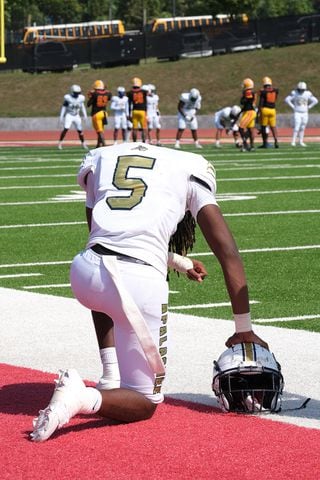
(247, 83)
(136, 82)
(266, 81)
(98, 85)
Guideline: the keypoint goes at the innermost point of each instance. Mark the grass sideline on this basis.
(270, 199)
(218, 78)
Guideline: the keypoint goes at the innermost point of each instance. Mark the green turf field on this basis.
(270, 199)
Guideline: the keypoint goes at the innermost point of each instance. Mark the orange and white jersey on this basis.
(139, 193)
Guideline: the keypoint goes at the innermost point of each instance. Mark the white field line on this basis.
(18, 275)
(31, 225)
(206, 305)
(283, 177)
(266, 167)
(286, 319)
(271, 192)
(59, 175)
(58, 285)
(47, 160)
(35, 264)
(262, 250)
(280, 212)
(40, 202)
(31, 187)
(202, 254)
(47, 167)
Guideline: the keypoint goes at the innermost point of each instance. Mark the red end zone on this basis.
(183, 441)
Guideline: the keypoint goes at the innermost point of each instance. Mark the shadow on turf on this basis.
(28, 398)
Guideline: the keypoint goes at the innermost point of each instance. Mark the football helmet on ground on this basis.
(98, 85)
(247, 379)
(247, 83)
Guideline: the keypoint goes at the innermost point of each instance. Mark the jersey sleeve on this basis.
(201, 188)
(88, 165)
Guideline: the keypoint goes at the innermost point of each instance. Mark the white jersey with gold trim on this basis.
(139, 193)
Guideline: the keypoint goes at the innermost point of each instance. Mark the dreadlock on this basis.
(183, 239)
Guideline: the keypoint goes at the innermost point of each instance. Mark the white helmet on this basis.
(235, 110)
(146, 88)
(152, 88)
(75, 89)
(194, 94)
(247, 379)
(302, 86)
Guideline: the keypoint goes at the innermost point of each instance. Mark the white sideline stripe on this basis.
(284, 177)
(261, 250)
(201, 254)
(18, 275)
(50, 350)
(57, 285)
(206, 305)
(285, 319)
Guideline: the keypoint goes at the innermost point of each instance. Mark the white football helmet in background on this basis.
(194, 94)
(235, 111)
(302, 86)
(75, 90)
(247, 379)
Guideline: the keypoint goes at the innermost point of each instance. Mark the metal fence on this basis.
(133, 47)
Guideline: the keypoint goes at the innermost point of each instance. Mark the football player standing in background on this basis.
(153, 113)
(248, 116)
(73, 104)
(138, 109)
(120, 108)
(98, 99)
(301, 101)
(267, 111)
(188, 106)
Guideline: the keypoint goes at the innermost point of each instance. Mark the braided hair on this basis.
(183, 239)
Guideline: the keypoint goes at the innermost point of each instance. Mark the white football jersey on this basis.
(190, 108)
(152, 105)
(301, 102)
(139, 193)
(119, 105)
(73, 105)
